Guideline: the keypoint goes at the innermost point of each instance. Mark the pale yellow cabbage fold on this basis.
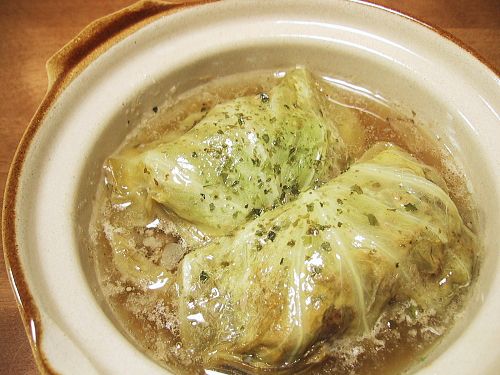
(326, 264)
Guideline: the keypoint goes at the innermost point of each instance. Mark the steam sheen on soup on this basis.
(279, 223)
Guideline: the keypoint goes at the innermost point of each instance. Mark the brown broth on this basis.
(400, 338)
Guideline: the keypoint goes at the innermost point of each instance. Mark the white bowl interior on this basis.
(366, 46)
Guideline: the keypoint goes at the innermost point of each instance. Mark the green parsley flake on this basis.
(410, 207)
(326, 246)
(356, 189)
(203, 276)
(255, 213)
(313, 230)
(372, 219)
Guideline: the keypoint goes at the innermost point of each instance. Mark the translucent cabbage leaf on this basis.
(325, 265)
(241, 158)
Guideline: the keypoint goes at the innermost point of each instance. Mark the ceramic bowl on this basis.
(110, 77)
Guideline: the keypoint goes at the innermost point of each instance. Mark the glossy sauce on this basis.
(402, 335)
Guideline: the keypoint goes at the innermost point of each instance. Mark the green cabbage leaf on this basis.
(241, 158)
(325, 265)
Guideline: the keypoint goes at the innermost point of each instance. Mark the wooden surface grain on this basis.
(33, 30)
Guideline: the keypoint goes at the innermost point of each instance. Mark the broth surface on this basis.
(403, 334)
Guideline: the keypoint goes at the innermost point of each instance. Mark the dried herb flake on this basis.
(372, 219)
(356, 189)
(326, 246)
(204, 276)
(410, 207)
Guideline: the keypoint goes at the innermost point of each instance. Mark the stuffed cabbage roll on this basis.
(325, 265)
(242, 157)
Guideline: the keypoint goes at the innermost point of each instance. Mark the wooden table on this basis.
(33, 30)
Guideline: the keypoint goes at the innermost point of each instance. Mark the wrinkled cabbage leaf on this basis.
(326, 264)
(241, 158)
